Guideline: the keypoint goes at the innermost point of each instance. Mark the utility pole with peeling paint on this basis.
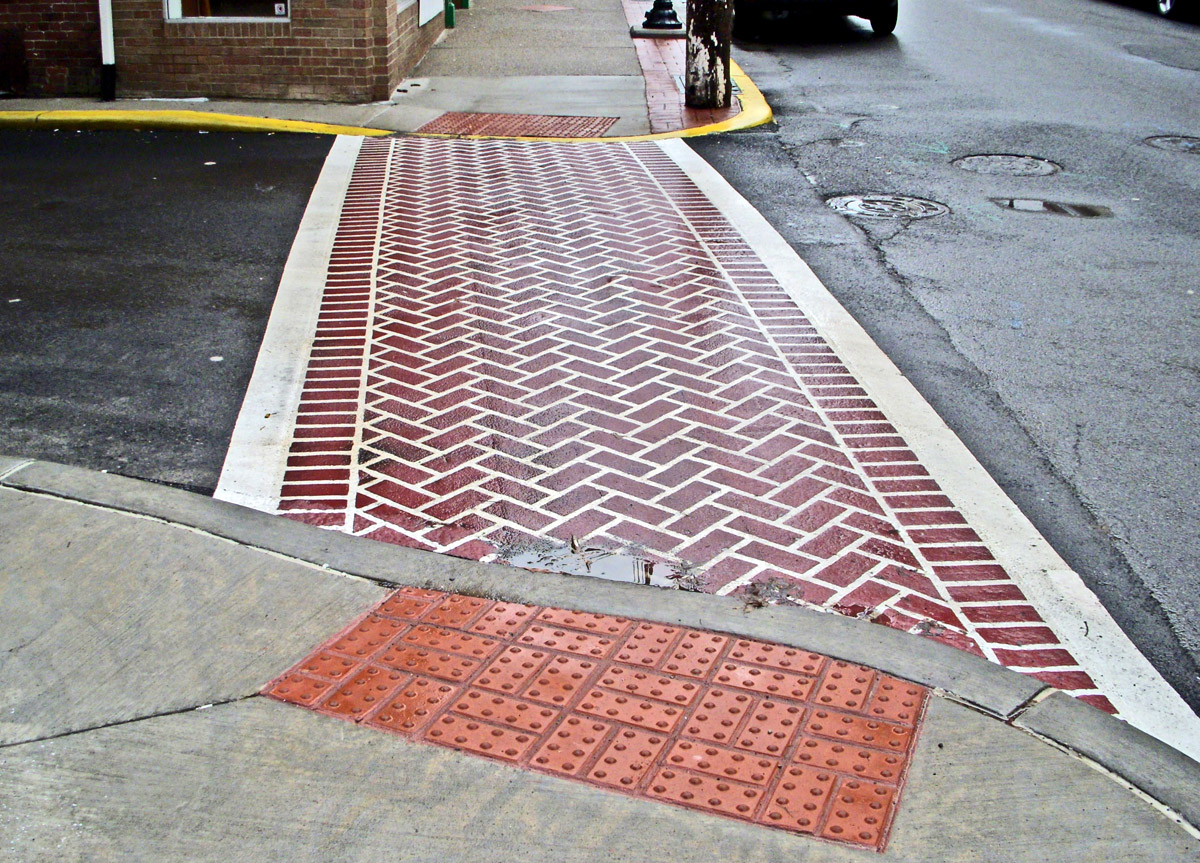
(709, 30)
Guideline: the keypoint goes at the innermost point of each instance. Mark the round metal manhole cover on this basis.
(887, 206)
(1175, 143)
(1008, 165)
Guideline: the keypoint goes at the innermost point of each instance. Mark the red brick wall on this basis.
(50, 48)
(335, 50)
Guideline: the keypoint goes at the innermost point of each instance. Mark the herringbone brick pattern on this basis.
(745, 729)
(523, 343)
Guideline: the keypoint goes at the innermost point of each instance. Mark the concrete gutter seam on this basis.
(1167, 777)
(16, 465)
(755, 112)
(185, 120)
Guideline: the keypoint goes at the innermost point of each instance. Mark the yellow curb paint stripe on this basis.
(755, 112)
(199, 120)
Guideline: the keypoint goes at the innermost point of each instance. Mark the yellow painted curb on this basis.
(755, 112)
(199, 120)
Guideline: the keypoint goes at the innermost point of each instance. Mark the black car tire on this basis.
(883, 19)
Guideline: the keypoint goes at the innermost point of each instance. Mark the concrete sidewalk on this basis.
(139, 625)
(509, 69)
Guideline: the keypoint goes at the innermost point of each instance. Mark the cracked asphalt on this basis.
(1061, 350)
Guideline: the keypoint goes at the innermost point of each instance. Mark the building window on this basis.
(227, 9)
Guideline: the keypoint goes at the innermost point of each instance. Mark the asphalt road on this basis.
(1062, 350)
(138, 272)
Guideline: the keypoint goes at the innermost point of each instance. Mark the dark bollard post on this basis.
(709, 31)
(662, 17)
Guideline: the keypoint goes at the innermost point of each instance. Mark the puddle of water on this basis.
(1057, 208)
(607, 563)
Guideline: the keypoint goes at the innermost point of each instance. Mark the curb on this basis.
(755, 112)
(1107, 744)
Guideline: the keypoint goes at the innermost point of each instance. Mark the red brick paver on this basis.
(525, 343)
(745, 729)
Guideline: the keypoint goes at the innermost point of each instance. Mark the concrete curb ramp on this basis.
(206, 601)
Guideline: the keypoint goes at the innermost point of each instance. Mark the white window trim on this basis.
(173, 13)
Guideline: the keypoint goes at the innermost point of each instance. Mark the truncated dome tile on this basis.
(456, 610)
(491, 707)
(723, 763)
(858, 812)
(414, 705)
(298, 689)
(503, 619)
(512, 670)
(706, 792)
(737, 728)
(365, 691)
(572, 744)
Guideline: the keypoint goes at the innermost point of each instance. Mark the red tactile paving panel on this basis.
(569, 344)
(518, 125)
(781, 758)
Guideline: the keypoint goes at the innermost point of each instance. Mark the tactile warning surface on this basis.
(759, 732)
(534, 344)
(518, 125)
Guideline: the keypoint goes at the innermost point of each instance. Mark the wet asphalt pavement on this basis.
(139, 271)
(1062, 350)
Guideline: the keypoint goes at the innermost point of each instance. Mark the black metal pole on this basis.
(709, 31)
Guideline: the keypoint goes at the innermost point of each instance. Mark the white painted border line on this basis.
(257, 458)
(1137, 690)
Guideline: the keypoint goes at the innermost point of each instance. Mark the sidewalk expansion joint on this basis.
(1034, 700)
(131, 721)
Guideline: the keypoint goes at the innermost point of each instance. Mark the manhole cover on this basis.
(1176, 143)
(1008, 165)
(887, 206)
(1057, 208)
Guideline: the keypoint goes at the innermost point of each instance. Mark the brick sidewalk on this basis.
(525, 344)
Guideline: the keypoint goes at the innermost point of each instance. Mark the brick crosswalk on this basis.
(567, 344)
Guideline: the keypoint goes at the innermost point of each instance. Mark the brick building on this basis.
(335, 50)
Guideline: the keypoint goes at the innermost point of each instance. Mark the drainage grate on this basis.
(1007, 164)
(887, 206)
(1176, 143)
(1057, 208)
